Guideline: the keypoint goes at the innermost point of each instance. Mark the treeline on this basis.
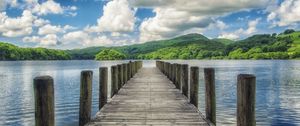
(267, 46)
(12, 52)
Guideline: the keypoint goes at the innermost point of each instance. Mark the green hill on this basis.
(224, 41)
(12, 52)
(285, 45)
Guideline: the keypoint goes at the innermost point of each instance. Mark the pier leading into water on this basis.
(163, 95)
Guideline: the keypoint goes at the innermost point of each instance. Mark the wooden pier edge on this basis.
(174, 72)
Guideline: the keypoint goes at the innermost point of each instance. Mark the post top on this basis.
(246, 76)
(46, 77)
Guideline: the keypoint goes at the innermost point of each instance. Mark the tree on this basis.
(110, 54)
(288, 31)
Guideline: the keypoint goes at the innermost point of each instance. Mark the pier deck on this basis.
(149, 98)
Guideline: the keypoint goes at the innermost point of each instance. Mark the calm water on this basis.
(277, 99)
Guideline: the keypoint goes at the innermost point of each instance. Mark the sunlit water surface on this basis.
(277, 89)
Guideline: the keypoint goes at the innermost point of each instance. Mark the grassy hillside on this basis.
(286, 45)
(12, 52)
(132, 51)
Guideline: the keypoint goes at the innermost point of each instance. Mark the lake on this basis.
(277, 89)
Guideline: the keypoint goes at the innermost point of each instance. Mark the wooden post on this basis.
(246, 85)
(124, 73)
(210, 95)
(128, 71)
(103, 86)
(184, 79)
(169, 70)
(85, 97)
(173, 73)
(178, 77)
(44, 101)
(194, 82)
(114, 80)
(120, 76)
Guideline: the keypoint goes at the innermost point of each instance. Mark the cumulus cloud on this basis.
(240, 32)
(19, 26)
(117, 17)
(86, 39)
(46, 41)
(173, 17)
(285, 14)
(49, 7)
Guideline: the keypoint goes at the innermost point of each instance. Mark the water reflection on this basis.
(277, 90)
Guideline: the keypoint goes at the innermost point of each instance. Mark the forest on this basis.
(285, 45)
(12, 52)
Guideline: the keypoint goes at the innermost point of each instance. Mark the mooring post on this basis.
(124, 73)
(44, 101)
(184, 79)
(85, 97)
(194, 83)
(128, 71)
(114, 80)
(173, 72)
(178, 77)
(170, 70)
(103, 79)
(210, 96)
(120, 76)
(132, 69)
(246, 84)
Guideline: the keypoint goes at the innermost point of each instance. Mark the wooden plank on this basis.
(149, 98)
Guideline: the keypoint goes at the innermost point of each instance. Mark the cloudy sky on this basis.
(66, 24)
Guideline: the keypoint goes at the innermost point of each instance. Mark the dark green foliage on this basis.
(132, 51)
(110, 54)
(12, 52)
(191, 46)
(288, 31)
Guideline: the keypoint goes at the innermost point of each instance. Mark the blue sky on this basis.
(66, 24)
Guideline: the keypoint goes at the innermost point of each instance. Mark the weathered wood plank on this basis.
(149, 98)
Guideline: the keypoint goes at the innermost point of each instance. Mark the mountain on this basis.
(132, 51)
(224, 41)
(12, 52)
(285, 45)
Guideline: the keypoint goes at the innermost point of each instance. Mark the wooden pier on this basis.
(163, 95)
(149, 98)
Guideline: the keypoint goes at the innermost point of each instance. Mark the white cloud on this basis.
(46, 41)
(117, 17)
(19, 26)
(221, 25)
(53, 29)
(231, 36)
(173, 17)
(49, 29)
(40, 22)
(240, 32)
(285, 14)
(48, 7)
(85, 39)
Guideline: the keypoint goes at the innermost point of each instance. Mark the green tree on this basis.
(110, 54)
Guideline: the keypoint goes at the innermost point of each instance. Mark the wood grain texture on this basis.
(246, 85)
(44, 101)
(210, 95)
(85, 107)
(150, 99)
(194, 83)
(103, 80)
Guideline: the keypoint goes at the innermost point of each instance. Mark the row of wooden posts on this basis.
(246, 83)
(44, 91)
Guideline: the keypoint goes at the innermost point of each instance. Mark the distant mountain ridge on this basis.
(285, 45)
